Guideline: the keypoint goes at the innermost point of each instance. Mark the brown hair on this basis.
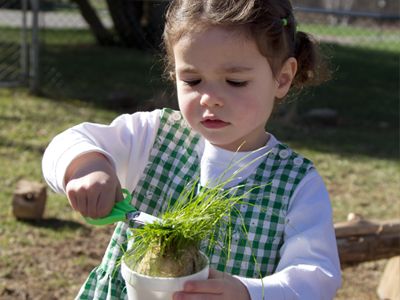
(270, 22)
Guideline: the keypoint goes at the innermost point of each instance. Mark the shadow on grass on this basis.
(108, 77)
(54, 224)
(345, 141)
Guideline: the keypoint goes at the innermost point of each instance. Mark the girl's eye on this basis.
(192, 82)
(237, 83)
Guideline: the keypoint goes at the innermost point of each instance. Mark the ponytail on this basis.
(312, 68)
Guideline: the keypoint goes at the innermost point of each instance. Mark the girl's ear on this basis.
(285, 77)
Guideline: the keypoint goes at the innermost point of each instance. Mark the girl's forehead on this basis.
(217, 49)
(219, 31)
(214, 36)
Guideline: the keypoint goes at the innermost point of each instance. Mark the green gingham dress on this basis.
(173, 163)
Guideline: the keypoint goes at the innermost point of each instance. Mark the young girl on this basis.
(231, 61)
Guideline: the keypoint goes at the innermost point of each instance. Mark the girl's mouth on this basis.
(214, 124)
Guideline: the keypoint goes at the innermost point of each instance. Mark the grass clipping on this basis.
(171, 247)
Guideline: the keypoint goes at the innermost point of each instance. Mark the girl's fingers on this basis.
(189, 296)
(93, 203)
(71, 195)
(81, 203)
(215, 274)
(118, 193)
(106, 202)
(95, 195)
(214, 284)
(218, 286)
(210, 286)
(93, 200)
(76, 197)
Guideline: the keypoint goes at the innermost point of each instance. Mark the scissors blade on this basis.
(141, 218)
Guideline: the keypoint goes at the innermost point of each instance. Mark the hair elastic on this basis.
(284, 22)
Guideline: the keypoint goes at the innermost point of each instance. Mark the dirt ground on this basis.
(39, 270)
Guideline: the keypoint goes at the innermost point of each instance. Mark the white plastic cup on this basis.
(144, 287)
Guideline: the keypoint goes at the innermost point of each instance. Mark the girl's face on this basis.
(226, 89)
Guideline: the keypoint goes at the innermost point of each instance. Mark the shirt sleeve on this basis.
(309, 267)
(126, 142)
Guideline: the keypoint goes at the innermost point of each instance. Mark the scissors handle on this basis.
(117, 214)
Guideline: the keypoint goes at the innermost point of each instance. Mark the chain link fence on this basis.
(19, 43)
(366, 24)
(372, 24)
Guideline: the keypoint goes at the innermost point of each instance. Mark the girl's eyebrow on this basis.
(228, 69)
(186, 69)
(236, 69)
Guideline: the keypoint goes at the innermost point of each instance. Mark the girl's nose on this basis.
(211, 100)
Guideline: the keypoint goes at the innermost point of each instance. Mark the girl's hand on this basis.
(218, 286)
(92, 186)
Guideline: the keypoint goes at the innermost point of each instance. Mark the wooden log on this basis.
(29, 200)
(361, 240)
(389, 285)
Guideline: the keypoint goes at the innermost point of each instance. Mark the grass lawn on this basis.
(49, 259)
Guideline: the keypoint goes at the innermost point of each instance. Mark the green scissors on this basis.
(123, 211)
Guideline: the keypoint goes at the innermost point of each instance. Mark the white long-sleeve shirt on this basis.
(309, 266)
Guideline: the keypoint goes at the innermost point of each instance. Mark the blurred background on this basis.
(63, 62)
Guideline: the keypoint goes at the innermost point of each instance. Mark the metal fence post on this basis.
(24, 43)
(34, 79)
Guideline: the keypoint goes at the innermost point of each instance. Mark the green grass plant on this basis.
(200, 214)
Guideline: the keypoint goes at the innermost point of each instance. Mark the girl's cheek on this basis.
(188, 97)
(184, 103)
(188, 106)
